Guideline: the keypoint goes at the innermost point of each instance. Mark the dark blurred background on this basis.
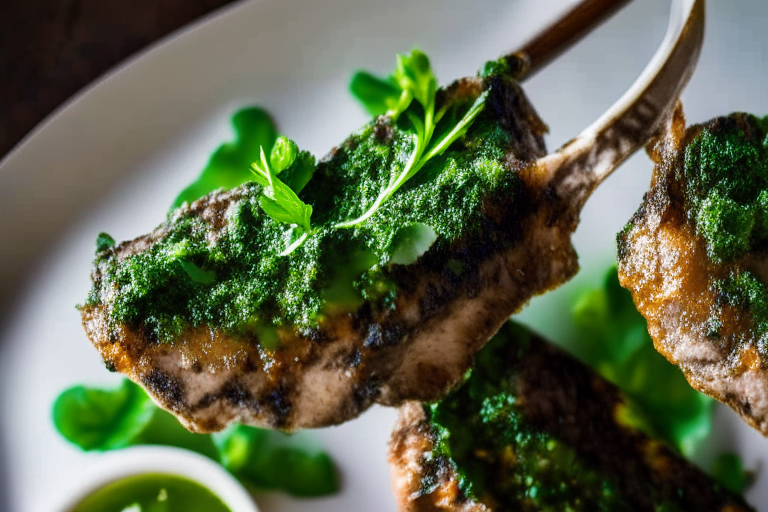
(50, 49)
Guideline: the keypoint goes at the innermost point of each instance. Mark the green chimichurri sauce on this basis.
(725, 174)
(726, 186)
(240, 283)
(497, 454)
(152, 492)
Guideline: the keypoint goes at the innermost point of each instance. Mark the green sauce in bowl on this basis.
(152, 492)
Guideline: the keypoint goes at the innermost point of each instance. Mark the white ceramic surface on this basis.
(114, 466)
(115, 157)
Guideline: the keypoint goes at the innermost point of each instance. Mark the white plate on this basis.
(114, 159)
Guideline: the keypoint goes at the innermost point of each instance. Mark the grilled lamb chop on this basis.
(533, 429)
(414, 350)
(694, 256)
(502, 214)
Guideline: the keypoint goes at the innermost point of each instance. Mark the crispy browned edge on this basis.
(664, 264)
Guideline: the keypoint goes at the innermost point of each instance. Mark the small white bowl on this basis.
(112, 466)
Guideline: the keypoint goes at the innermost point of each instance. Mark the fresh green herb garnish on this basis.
(614, 340)
(279, 201)
(379, 96)
(96, 419)
(729, 471)
(413, 79)
(257, 273)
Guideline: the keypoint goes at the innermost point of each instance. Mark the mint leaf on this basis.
(285, 206)
(273, 460)
(228, 166)
(300, 172)
(729, 471)
(283, 154)
(414, 73)
(377, 95)
(102, 419)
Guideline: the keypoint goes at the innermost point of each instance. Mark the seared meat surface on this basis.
(694, 258)
(532, 429)
(446, 305)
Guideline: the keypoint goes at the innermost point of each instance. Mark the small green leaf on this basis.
(414, 76)
(300, 172)
(279, 201)
(104, 242)
(377, 95)
(729, 471)
(458, 130)
(102, 419)
(272, 460)
(228, 166)
(414, 73)
(283, 154)
(283, 208)
(411, 242)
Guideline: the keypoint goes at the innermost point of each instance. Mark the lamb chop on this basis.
(533, 429)
(694, 256)
(223, 315)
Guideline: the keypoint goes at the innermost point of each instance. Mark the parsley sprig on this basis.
(413, 79)
(279, 200)
(408, 94)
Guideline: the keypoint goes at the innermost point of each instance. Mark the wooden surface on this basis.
(50, 49)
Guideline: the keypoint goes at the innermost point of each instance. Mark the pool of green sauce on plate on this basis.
(152, 492)
(239, 283)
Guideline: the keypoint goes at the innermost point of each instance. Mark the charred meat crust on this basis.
(559, 395)
(665, 265)
(417, 350)
(413, 438)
